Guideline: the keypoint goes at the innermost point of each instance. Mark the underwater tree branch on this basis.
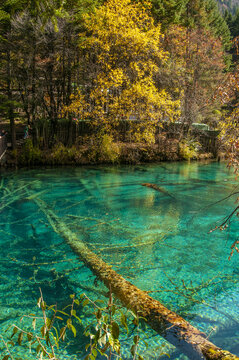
(168, 324)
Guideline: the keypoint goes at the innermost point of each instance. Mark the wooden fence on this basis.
(3, 145)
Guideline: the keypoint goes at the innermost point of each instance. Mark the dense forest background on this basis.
(126, 70)
(229, 5)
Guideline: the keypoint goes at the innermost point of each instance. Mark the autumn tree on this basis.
(121, 57)
(196, 42)
(206, 38)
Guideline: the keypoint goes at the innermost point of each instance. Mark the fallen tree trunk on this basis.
(168, 324)
(158, 188)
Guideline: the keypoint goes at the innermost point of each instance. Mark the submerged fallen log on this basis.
(158, 188)
(168, 324)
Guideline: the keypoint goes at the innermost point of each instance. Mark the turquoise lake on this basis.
(161, 242)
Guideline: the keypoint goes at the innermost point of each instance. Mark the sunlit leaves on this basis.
(127, 46)
(108, 327)
(123, 321)
(49, 329)
(63, 333)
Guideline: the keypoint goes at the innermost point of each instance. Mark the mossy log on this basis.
(168, 324)
(158, 188)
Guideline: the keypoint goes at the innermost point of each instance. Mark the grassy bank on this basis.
(106, 152)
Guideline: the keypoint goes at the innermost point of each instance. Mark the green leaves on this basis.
(105, 332)
(94, 352)
(38, 348)
(85, 302)
(45, 335)
(136, 339)
(4, 16)
(29, 336)
(98, 314)
(15, 330)
(20, 337)
(123, 321)
(71, 327)
(133, 349)
(110, 324)
(63, 333)
(115, 330)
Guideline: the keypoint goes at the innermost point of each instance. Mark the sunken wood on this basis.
(165, 322)
(158, 188)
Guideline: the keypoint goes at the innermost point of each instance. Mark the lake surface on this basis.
(158, 241)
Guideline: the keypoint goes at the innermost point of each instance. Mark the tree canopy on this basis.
(109, 61)
(123, 53)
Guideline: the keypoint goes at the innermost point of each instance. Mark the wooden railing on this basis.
(3, 145)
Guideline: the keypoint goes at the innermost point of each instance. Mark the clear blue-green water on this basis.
(160, 243)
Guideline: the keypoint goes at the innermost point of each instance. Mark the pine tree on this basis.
(40, 60)
(7, 11)
(192, 13)
(168, 12)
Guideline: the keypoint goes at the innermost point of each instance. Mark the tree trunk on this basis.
(10, 100)
(33, 110)
(168, 324)
(158, 188)
(69, 86)
(188, 96)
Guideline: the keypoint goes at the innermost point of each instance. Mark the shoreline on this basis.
(87, 155)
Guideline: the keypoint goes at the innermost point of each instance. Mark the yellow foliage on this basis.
(126, 46)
